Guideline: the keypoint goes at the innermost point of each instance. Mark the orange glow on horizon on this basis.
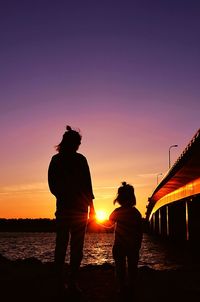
(34, 200)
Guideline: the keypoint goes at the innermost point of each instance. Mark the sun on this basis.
(101, 215)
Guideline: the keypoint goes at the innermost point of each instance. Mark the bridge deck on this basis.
(182, 180)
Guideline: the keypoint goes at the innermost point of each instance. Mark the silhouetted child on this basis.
(128, 238)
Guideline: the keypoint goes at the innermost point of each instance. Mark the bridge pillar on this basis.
(194, 218)
(157, 222)
(163, 221)
(152, 224)
(177, 221)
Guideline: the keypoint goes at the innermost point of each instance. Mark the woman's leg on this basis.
(62, 238)
(78, 228)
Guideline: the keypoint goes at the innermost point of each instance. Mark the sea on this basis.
(97, 249)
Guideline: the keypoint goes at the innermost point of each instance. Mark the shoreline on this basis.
(30, 279)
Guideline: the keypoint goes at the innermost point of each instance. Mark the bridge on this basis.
(173, 210)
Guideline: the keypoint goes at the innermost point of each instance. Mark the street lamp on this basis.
(172, 146)
(157, 177)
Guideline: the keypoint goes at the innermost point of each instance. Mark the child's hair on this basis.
(125, 195)
(71, 140)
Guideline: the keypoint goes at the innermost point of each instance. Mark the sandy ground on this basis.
(30, 280)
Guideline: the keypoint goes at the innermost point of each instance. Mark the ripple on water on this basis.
(97, 249)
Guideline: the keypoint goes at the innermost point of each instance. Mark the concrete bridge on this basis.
(173, 210)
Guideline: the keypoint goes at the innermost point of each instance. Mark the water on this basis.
(97, 249)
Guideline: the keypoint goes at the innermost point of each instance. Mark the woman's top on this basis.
(70, 181)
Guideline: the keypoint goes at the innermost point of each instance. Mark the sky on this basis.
(126, 73)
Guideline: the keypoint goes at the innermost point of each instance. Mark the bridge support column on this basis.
(152, 223)
(194, 218)
(163, 221)
(157, 222)
(167, 221)
(177, 221)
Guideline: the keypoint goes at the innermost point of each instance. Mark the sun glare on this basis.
(101, 215)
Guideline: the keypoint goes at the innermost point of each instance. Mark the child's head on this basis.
(125, 195)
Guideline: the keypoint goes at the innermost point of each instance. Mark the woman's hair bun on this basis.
(124, 183)
(68, 128)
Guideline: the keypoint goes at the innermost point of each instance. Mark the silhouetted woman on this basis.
(128, 238)
(70, 182)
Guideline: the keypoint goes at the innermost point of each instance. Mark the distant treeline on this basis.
(42, 225)
(27, 225)
(46, 225)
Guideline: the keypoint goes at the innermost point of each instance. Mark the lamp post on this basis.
(172, 146)
(157, 177)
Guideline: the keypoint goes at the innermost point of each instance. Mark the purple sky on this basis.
(125, 72)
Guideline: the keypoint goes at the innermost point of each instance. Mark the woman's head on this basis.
(125, 195)
(70, 142)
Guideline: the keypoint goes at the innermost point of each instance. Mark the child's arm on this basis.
(112, 217)
(107, 225)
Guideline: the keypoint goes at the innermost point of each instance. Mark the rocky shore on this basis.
(32, 280)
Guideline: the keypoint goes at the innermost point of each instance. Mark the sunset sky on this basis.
(126, 73)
